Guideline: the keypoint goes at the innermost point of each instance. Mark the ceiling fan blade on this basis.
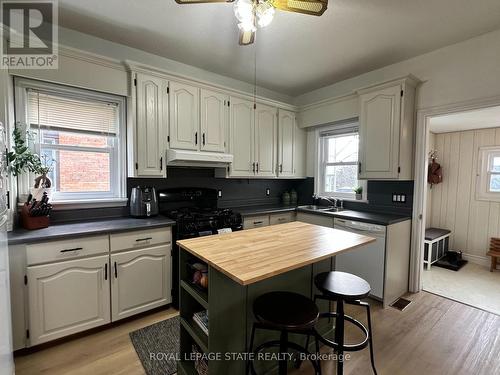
(246, 37)
(312, 7)
(202, 1)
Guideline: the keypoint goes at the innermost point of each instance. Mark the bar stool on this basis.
(285, 312)
(343, 287)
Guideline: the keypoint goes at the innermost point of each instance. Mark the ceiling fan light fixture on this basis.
(265, 13)
(243, 10)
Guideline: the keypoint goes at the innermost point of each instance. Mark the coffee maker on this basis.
(143, 202)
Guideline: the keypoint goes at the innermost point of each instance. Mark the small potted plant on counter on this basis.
(35, 212)
(359, 193)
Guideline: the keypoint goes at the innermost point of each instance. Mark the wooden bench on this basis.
(494, 253)
(436, 244)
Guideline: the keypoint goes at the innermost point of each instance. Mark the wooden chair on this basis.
(494, 253)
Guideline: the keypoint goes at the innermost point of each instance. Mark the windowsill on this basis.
(87, 203)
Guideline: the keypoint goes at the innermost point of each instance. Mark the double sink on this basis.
(312, 207)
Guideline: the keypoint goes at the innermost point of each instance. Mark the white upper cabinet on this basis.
(214, 117)
(152, 112)
(265, 140)
(241, 137)
(184, 119)
(386, 130)
(286, 143)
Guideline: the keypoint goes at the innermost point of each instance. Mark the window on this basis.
(488, 179)
(338, 164)
(80, 134)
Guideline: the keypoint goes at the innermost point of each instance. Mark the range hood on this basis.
(187, 158)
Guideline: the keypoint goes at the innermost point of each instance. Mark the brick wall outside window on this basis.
(83, 171)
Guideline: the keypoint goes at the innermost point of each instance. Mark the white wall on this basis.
(454, 205)
(121, 52)
(460, 72)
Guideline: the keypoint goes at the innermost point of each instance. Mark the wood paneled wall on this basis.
(453, 204)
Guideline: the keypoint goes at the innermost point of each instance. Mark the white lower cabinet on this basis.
(140, 280)
(67, 297)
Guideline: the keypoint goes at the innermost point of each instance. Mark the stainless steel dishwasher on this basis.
(367, 262)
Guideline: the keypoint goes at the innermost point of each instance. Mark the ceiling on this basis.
(296, 53)
(469, 120)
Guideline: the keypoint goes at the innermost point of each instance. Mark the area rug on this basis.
(158, 346)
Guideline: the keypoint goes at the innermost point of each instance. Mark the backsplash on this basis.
(235, 192)
(380, 198)
(250, 192)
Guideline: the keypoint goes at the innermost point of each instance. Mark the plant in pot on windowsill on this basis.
(359, 193)
(23, 160)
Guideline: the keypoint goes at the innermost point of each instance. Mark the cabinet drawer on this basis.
(67, 249)
(285, 217)
(140, 238)
(256, 222)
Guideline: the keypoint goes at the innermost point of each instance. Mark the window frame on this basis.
(483, 192)
(118, 160)
(341, 129)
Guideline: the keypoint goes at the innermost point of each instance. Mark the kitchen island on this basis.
(242, 266)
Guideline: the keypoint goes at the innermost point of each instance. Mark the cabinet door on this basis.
(184, 116)
(141, 280)
(214, 114)
(241, 137)
(265, 140)
(151, 129)
(379, 133)
(68, 297)
(286, 143)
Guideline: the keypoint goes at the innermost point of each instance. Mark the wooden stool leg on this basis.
(493, 263)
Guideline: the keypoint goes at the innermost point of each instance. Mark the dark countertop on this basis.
(364, 216)
(86, 228)
(262, 210)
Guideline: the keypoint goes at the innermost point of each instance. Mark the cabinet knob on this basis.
(196, 138)
(203, 138)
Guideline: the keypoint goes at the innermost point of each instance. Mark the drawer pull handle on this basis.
(74, 249)
(106, 271)
(258, 222)
(281, 219)
(143, 239)
(116, 271)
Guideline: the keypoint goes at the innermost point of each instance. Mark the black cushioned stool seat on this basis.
(285, 312)
(345, 288)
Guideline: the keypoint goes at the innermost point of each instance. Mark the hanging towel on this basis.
(435, 173)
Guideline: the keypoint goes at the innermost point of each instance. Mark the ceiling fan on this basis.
(259, 13)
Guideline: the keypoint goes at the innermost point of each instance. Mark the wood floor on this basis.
(433, 335)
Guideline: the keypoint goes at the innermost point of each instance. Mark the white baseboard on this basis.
(477, 259)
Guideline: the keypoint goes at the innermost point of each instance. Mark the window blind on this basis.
(340, 130)
(50, 111)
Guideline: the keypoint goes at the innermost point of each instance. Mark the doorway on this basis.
(461, 213)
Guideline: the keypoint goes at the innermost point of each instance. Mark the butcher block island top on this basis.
(253, 255)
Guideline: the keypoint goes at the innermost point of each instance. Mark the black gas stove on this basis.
(196, 214)
(196, 222)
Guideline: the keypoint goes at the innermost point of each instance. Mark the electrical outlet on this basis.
(403, 198)
(268, 192)
(219, 193)
(394, 197)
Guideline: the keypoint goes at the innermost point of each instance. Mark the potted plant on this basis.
(359, 193)
(21, 160)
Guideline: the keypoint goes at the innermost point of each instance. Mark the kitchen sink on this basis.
(313, 207)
